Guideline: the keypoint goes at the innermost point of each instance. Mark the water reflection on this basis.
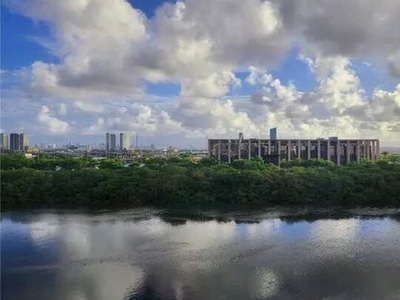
(148, 254)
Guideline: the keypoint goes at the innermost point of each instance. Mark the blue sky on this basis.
(186, 71)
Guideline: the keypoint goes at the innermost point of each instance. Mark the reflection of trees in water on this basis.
(310, 218)
(146, 292)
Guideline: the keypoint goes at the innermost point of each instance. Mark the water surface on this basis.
(156, 254)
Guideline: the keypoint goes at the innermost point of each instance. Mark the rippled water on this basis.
(150, 254)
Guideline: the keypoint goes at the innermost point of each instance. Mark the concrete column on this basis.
(348, 152)
(328, 150)
(338, 152)
(229, 151)
(289, 154)
(259, 148)
(365, 149)
(249, 154)
(219, 150)
(299, 146)
(269, 147)
(318, 149)
(369, 150)
(372, 150)
(358, 151)
(279, 152)
(378, 150)
(308, 150)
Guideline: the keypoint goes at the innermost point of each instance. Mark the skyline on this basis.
(177, 71)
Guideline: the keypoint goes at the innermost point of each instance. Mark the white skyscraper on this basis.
(124, 141)
(23, 141)
(4, 141)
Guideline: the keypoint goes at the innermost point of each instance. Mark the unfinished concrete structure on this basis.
(339, 151)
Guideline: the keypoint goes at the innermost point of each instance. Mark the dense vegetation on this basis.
(63, 181)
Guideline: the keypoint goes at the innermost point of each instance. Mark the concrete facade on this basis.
(14, 141)
(23, 141)
(4, 143)
(124, 141)
(339, 151)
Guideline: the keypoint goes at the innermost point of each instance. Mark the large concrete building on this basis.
(111, 141)
(4, 141)
(23, 141)
(124, 141)
(339, 151)
(18, 141)
(107, 141)
(14, 141)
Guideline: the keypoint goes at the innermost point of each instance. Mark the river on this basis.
(163, 254)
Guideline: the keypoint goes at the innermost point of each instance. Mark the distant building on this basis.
(4, 141)
(124, 141)
(23, 141)
(273, 133)
(14, 141)
(113, 141)
(107, 141)
(339, 151)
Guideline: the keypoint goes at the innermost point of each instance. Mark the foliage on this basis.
(53, 181)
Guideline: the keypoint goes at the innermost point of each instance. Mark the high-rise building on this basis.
(23, 141)
(14, 141)
(3, 141)
(113, 141)
(124, 141)
(107, 141)
(273, 133)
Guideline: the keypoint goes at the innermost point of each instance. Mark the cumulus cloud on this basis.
(136, 118)
(92, 44)
(104, 62)
(359, 29)
(215, 85)
(50, 123)
(337, 106)
(100, 54)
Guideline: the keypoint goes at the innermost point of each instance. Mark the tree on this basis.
(111, 163)
(208, 161)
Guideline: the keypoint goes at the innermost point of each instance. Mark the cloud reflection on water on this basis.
(113, 257)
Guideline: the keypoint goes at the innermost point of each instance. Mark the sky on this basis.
(176, 72)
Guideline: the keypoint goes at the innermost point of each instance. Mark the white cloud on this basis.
(104, 62)
(50, 123)
(355, 29)
(93, 45)
(215, 85)
(136, 118)
(337, 106)
(89, 107)
(258, 76)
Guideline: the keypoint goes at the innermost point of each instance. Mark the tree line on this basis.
(74, 182)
